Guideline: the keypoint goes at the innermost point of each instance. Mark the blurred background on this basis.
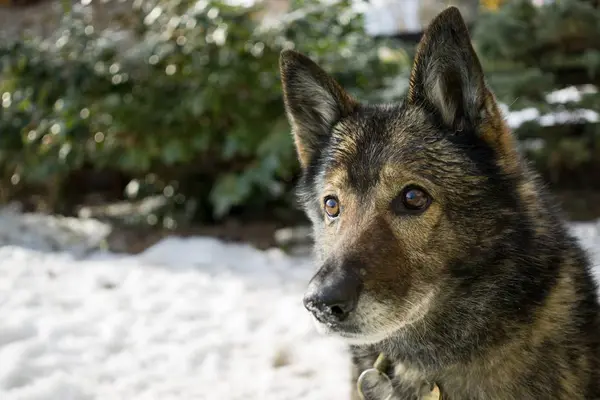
(125, 124)
(166, 115)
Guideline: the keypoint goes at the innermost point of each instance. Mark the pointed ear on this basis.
(447, 76)
(314, 102)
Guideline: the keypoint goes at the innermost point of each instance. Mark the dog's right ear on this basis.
(314, 102)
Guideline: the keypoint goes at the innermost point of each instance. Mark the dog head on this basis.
(398, 194)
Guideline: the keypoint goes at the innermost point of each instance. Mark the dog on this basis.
(438, 245)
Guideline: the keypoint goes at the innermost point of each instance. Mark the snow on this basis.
(189, 318)
(570, 94)
(49, 233)
(516, 118)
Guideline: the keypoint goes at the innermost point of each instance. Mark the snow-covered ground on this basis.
(187, 319)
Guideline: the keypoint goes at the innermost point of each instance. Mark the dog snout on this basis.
(332, 296)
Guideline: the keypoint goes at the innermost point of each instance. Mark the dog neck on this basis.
(376, 383)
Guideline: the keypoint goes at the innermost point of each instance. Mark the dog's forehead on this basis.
(374, 142)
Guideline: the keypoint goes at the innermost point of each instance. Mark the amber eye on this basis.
(411, 199)
(332, 207)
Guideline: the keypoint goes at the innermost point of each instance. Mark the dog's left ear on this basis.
(448, 80)
(447, 76)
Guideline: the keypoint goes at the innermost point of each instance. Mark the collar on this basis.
(375, 384)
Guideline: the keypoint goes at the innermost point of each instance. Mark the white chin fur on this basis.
(321, 328)
(350, 338)
(364, 340)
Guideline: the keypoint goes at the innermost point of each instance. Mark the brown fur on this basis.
(483, 292)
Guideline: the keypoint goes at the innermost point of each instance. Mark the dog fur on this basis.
(485, 292)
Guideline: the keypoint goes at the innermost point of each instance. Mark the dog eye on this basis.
(412, 199)
(415, 198)
(332, 206)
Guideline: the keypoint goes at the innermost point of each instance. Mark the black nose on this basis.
(332, 295)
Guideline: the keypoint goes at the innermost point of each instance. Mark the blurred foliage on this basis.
(527, 48)
(190, 108)
(529, 51)
(185, 102)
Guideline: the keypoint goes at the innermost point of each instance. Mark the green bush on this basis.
(530, 51)
(191, 108)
